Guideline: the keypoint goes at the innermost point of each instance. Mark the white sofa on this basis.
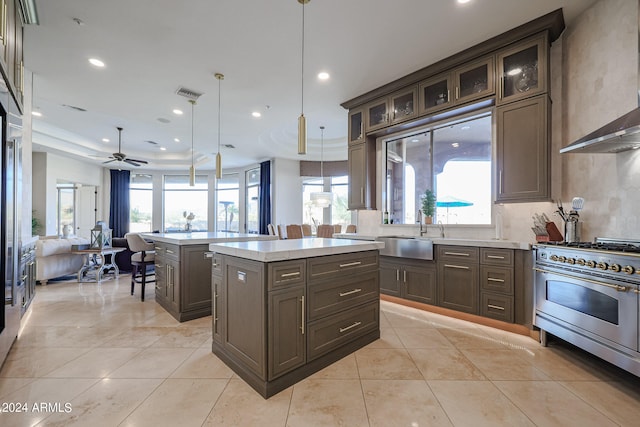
(54, 257)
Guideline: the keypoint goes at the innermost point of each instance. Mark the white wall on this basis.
(286, 192)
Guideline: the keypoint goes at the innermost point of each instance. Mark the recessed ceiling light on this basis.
(466, 127)
(463, 1)
(256, 114)
(177, 112)
(163, 149)
(96, 62)
(415, 140)
(176, 139)
(455, 145)
(323, 75)
(36, 113)
(105, 139)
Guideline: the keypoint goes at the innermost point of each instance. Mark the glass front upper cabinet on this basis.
(474, 81)
(356, 126)
(395, 108)
(435, 93)
(522, 70)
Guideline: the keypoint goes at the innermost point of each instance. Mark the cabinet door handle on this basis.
(500, 88)
(350, 327)
(448, 95)
(496, 307)
(351, 264)
(355, 291)
(404, 276)
(302, 316)
(492, 279)
(500, 182)
(459, 267)
(397, 275)
(362, 195)
(457, 253)
(215, 308)
(457, 92)
(208, 255)
(297, 273)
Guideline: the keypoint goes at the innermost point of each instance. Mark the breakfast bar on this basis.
(285, 309)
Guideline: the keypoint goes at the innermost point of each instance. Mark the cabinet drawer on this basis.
(496, 256)
(286, 273)
(457, 253)
(216, 264)
(496, 279)
(329, 266)
(167, 250)
(331, 296)
(339, 329)
(495, 306)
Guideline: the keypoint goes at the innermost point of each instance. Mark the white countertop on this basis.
(279, 250)
(490, 243)
(200, 237)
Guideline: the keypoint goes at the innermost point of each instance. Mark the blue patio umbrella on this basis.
(451, 202)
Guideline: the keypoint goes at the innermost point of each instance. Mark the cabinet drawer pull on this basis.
(169, 251)
(157, 248)
(350, 327)
(491, 279)
(23, 278)
(297, 273)
(496, 307)
(302, 316)
(355, 291)
(460, 267)
(158, 265)
(215, 264)
(456, 253)
(495, 256)
(351, 264)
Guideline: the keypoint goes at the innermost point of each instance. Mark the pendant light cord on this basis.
(302, 64)
(322, 154)
(193, 103)
(219, 104)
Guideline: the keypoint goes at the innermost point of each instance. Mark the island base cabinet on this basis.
(286, 331)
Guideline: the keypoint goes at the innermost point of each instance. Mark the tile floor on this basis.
(96, 356)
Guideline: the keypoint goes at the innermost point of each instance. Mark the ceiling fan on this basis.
(120, 156)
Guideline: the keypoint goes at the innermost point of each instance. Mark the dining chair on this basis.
(306, 230)
(325, 230)
(351, 228)
(337, 228)
(271, 230)
(142, 257)
(280, 234)
(294, 231)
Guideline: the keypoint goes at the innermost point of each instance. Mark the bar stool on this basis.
(143, 256)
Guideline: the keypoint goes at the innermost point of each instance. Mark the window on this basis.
(452, 159)
(180, 200)
(66, 206)
(337, 212)
(227, 213)
(253, 195)
(311, 214)
(141, 203)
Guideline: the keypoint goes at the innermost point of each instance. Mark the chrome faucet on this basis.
(420, 229)
(441, 226)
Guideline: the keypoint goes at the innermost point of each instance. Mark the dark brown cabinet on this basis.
(11, 36)
(458, 271)
(183, 280)
(398, 107)
(286, 330)
(522, 69)
(523, 150)
(410, 279)
(362, 170)
(27, 280)
(356, 126)
(497, 284)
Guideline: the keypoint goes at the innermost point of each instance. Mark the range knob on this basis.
(591, 264)
(581, 261)
(602, 265)
(562, 259)
(571, 261)
(553, 257)
(615, 268)
(628, 269)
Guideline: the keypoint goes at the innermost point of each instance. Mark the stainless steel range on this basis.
(589, 295)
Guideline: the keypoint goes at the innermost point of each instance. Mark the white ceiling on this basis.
(153, 47)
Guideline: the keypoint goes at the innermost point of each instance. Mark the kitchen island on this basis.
(285, 309)
(183, 270)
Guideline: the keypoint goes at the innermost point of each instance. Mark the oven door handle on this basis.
(618, 288)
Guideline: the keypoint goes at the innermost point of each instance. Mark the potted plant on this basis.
(428, 206)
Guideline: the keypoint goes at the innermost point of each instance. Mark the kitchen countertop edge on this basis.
(489, 243)
(198, 238)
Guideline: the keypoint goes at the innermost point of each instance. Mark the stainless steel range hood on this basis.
(621, 134)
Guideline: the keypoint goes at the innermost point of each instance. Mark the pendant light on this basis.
(192, 169)
(322, 199)
(220, 77)
(302, 121)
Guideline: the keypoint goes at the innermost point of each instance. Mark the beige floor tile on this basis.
(48, 391)
(241, 406)
(422, 338)
(402, 403)
(194, 397)
(203, 364)
(388, 339)
(153, 363)
(10, 385)
(96, 363)
(477, 404)
(471, 338)
(445, 364)
(107, 403)
(203, 322)
(327, 403)
(502, 364)
(30, 363)
(619, 401)
(345, 368)
(407, 319)
(374, 363)
(547, 403)
(184, 338)
(384, 323)
(138, 336)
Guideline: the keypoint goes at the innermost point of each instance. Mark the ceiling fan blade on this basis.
(109, 161)
(138, 161)
(131, 162)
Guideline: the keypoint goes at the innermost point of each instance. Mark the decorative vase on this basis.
(428, 220)
(66, 231)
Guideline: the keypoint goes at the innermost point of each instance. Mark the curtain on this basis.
(264, 201)
(119, 209)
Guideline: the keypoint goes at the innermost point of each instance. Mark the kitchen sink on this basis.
(407, 247)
